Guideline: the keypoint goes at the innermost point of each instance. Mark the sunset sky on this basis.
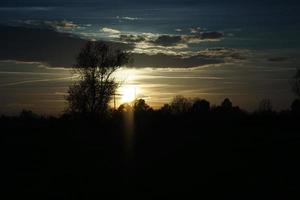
(244, 50)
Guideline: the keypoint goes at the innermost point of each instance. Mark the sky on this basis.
(105, 2)
(244, 50)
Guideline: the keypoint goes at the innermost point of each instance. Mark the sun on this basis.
(128, 93)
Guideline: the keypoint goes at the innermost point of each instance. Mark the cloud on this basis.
(152, 49)
(27, 8)
(201, 37)
(39, 45)
(42, 45)
(128, 18)
(168, 40)
(191, 39)
(170, 45)
(227, 54)
(37, 80)
(53, 25)
(57, 25)
(173, 40)
(62, 24)
(212, 35)
(135, 38)
(195, 30)
(59, 49)
(110, 31)
(132, 38)
(278, 59)
(172, 61)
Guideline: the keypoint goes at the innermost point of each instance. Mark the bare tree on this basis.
(95, 65)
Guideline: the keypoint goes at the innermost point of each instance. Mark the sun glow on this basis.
(128, 93)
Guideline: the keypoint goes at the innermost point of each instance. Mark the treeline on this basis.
(185, 149)
(183, 105)
(180, 105)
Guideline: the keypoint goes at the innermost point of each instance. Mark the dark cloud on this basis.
(173, 40)
(52, 25)
(41, 45)
(60, 49)
(278, 59)
(211, 35)
(224, 53)
(163, 61)
(167, 40)
(132, 38)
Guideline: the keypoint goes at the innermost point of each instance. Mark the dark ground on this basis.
(214, 154)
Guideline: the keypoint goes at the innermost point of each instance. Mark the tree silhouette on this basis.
(125, 107)
(180, 104)
(226, 104)
(265, 105)
(140, 106)
(166, 108)
(201, 106)
(95, 65)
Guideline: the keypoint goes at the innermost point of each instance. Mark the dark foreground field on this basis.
(152, 154)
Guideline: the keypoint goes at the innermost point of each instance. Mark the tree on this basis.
(296, 83)
(265, 105)
(28, 114)
(226, 104)
(141, 106)
(166, 109)
(180, 104)
(125, 107)
(201, 106)
(95, 64)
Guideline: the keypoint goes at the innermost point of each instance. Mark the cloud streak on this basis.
(128, 18)
(110, 31)
(36, 81)
(63, 25)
